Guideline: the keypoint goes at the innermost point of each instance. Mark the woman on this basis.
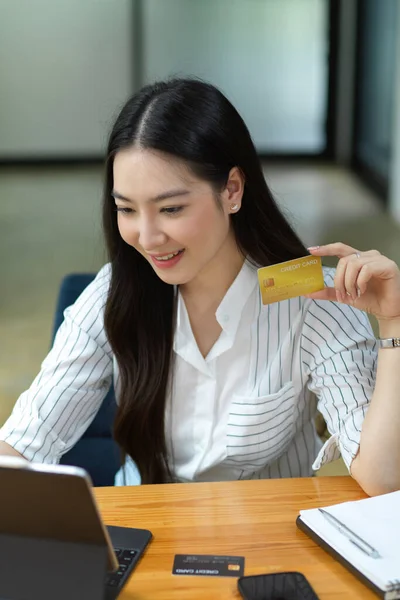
(211, 384)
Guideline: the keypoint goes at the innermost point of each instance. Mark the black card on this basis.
(205, 565)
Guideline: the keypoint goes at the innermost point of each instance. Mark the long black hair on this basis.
(193, 121)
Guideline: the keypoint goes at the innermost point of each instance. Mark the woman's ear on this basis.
(232, 194)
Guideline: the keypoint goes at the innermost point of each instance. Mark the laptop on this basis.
(53, 542)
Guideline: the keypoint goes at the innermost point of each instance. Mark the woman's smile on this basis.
(166, 261)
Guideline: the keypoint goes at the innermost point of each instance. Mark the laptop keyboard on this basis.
(125, 558)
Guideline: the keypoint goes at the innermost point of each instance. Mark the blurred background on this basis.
(317, 82)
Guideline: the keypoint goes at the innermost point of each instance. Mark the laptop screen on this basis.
(52, 502)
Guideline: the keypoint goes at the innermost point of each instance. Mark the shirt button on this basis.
(225, 318)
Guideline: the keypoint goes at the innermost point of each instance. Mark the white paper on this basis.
(377, 521)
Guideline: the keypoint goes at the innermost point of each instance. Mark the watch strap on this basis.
(389, 343)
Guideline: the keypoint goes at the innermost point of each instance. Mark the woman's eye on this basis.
(172, 210)
(123, 210)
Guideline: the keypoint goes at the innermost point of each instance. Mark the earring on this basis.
(234, 207)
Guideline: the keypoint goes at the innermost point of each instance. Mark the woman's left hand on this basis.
(366, 280)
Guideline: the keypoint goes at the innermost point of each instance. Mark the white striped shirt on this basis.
(247, 410)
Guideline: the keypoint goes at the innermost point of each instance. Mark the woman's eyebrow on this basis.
(159, 198)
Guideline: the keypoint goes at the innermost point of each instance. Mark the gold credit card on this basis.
(290, 279)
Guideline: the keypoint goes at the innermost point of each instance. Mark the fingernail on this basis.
(339, 296)
(348, 293)
(358, 292)
(313, 248)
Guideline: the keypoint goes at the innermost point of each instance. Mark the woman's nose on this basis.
(151, 237)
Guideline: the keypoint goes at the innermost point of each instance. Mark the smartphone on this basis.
(276, 586)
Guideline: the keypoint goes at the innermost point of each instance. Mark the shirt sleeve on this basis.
(49, 418)
(339, 354)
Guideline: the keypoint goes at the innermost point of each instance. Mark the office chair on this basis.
(96, 451)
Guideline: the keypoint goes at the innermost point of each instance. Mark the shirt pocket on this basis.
(260, 428)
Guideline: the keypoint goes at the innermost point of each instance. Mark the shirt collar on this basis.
(228, 313)
(230, 310)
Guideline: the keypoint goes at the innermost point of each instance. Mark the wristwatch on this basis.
(389, 343)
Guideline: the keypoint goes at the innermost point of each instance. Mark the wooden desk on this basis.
(254, 519)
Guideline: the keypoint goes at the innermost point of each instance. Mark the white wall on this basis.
(394, 175)
(268, 56)
(65, 68)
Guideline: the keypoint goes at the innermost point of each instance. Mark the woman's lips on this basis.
(167, 264)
